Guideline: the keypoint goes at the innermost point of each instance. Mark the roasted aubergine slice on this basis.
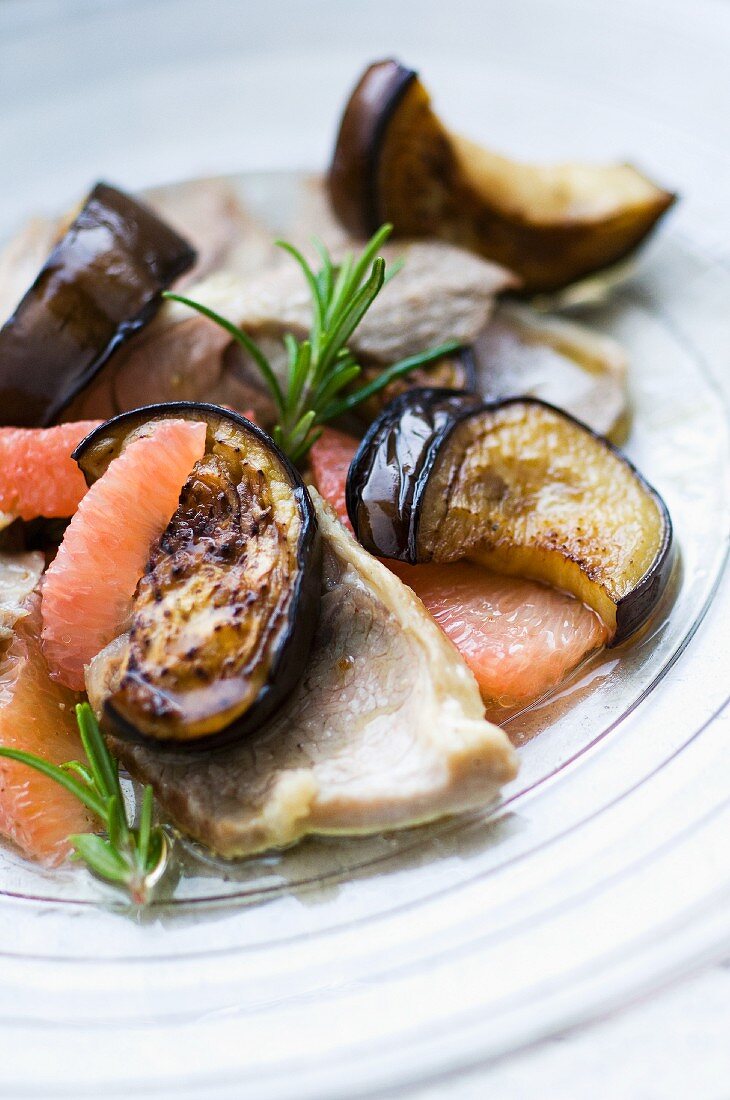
(519, 487)
(395, 161)
(223, 618)
(101, 283)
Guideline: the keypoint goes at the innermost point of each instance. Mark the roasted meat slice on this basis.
(522, 353)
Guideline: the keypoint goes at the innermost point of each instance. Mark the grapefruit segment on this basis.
(89, 586)
(37, 715)
(38, 477)
(519, 637)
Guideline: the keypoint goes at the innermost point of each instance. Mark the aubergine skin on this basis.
(392, 463)
(224, 616)
(352, 179)
(102, 282)
(442, 476)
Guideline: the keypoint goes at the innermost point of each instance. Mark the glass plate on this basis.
(350, 967)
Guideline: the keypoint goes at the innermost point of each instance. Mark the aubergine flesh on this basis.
(519, 487)
(101, 283)
(223, 617)
(384, 730)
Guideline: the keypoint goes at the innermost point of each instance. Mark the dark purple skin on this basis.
(303, 613)
(352, 179)
(102, 282)
(391, 467)
(389, 474)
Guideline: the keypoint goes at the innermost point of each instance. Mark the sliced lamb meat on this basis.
(210, 214)
(522, 352)
(442, 293)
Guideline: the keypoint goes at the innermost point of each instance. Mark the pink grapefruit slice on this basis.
(88, 588)
(37, 715)
(38, 477)
(329, 461)
(519, 638)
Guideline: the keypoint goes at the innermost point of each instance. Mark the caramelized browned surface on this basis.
(551, 224)
(223, 617)
(209, 613)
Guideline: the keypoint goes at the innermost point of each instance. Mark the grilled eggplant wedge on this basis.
(101, 283)
(519, 487)
(395, 161)
(222, 620)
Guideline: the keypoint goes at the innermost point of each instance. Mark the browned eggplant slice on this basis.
(395, 161)
(384, 730)
(385, 475)
(223, 618)
(520, 487)
(100, 284)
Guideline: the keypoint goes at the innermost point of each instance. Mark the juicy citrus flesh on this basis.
(519, 637)
(329, 460)
(37, 715)
(88, 589)
(38, 477)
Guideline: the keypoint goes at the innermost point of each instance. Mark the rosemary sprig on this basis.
(133, 859)
(321, 370)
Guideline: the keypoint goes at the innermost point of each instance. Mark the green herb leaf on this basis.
(397, 370)
(321, 370)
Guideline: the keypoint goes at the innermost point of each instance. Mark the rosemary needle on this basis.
(321, 371)
(133, 859)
